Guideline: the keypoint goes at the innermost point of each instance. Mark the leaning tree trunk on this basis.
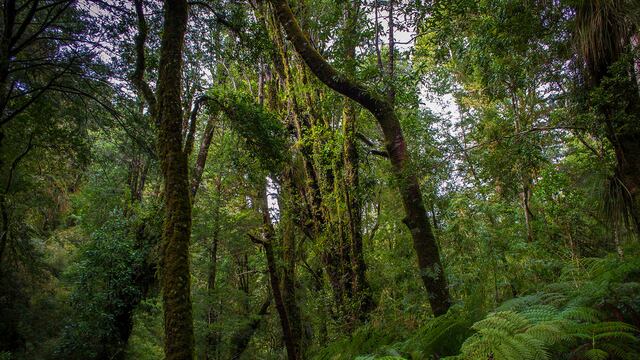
(431, 269)
(175, 277)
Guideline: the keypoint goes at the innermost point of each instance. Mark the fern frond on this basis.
(539, 313)
(596, 354)
(614, 335)
(508, 321)
(547, 333)
(520, 303)
(580, 313)
(610, 327)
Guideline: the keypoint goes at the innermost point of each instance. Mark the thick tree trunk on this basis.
(431, 269)
(175, 274)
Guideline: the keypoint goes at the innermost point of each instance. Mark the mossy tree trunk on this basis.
(175, 273)
(352, 190)
(240, 340)
(431, 269)
(289, 252)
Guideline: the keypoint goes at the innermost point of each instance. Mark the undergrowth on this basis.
(592, 312)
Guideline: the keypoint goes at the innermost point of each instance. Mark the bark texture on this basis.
(201, 160)
(289, 258)
(431, 269)
(175, 280)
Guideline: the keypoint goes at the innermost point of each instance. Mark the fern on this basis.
(442, 335)
(567, 319)
(534, 333)
(596, 354)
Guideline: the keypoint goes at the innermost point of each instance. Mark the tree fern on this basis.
(541, 330)
(570, 319)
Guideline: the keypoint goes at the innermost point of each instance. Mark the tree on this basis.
(177, 228)
(431, 269)
(604, 33)
(166, 107)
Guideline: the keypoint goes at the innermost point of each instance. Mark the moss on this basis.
(261, 130)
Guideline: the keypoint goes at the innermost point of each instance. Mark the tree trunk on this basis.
(431, 269)
(607, 47)
(289, 268)
(361, 289)
(175, 279)
(268, 235)
(201, 160)
(212, 337)
(391, 90)
(240, 341)
(8, 22)
(525, 198)
(4, 231)
(352, 192)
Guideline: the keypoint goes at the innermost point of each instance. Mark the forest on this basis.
(320, 180)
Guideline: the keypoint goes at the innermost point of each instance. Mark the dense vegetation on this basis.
(328, 179)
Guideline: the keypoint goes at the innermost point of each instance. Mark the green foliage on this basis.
(567, 317)
(145, 342)
(494, 106)
(366, 339)
(442, 335)
(537, 331)
(104, 291)
(263, 133)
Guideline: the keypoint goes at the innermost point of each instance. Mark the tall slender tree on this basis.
(166, 107)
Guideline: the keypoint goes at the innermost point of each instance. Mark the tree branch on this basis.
(137, 78)
(15, 163)
(191, 133)
(257, 241)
